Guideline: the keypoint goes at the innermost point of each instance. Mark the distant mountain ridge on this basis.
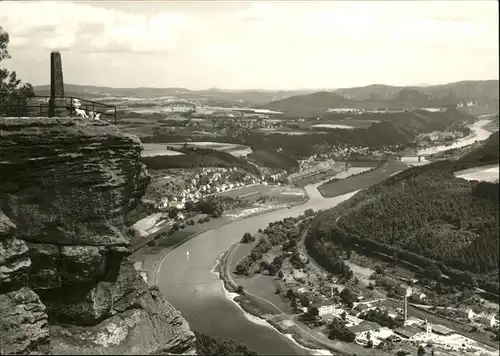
(483, 94)
(314, 102)
(243, 97)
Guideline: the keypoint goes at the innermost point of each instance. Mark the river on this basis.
(192, 288)
(479, 134)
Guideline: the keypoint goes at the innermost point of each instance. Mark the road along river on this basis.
(185, 277)
(198, 293)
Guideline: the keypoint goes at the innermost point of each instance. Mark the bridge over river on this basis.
(411, 156)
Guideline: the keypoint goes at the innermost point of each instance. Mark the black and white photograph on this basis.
(183, 177)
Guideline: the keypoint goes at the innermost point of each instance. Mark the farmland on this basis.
(158, 149)
(234, 149)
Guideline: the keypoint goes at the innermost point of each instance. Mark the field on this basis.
(141, 130)
(316, 177)
(362, 181)
(277, 194)
(285, 131)
(350, 123)
(485, 174)
(180, 235)
(235, 150)
(332, 126)
(158, 149)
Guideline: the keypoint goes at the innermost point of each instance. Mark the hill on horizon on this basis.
(314, 102)
(215, 96)
(484, 94)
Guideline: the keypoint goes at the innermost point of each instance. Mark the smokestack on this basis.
(405, 309)
(408, 292)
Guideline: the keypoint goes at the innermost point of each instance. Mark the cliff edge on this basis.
(66, 285)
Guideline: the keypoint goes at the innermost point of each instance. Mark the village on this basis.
(381, 308)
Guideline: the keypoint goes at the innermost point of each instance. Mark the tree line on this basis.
(199, 157)
(209, 345)
(285, 232)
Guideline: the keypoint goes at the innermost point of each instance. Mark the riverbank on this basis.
(138, 253)
(196, 292)
(261, 311)
(361, 181)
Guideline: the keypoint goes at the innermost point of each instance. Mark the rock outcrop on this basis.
(66, 285)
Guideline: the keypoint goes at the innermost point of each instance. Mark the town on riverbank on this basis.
(370, 301)
(288, 289)
(365, 307)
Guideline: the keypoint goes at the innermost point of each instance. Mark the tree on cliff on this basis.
(208, 345)
(13, 96)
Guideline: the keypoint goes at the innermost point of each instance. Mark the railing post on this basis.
(115, 115)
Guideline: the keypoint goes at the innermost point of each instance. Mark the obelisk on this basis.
(57, 103)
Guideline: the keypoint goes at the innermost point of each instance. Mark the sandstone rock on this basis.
(82, 263)
(143, 322)
(7, 227)
(14, 261)
(69, 186)
(45, 261)
(70, 181)
(85, 304)
(24, 327)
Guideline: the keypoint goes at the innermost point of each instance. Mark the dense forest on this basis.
(424, 215)
(274, 160)
(199, 157)
(208, 345)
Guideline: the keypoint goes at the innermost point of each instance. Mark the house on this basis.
(364, 326)
(441, 330)
(310, 296)
(421, 296)
(487, 319)
(359, 308)
(466, 313)
(407, 331)
(326, 307)
(401, 290)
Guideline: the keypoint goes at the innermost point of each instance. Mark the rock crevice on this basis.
(66, 285)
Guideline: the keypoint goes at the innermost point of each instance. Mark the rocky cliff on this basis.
(66, 285)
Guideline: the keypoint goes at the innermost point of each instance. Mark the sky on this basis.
(260, 44)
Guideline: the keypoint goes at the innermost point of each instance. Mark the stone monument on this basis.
(57, 103)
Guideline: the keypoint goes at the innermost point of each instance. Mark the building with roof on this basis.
(407, 331)
(441, 330)
(364, 326)
(326, 307)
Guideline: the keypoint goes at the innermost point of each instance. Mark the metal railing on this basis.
(39, 106)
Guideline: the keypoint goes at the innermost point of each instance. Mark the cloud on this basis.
(320, 43)
(86, 28)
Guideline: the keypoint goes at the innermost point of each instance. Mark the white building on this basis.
(327, 307)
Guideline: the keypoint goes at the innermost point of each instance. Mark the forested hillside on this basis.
(484, 95)
(198, 157)
(425, 214)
